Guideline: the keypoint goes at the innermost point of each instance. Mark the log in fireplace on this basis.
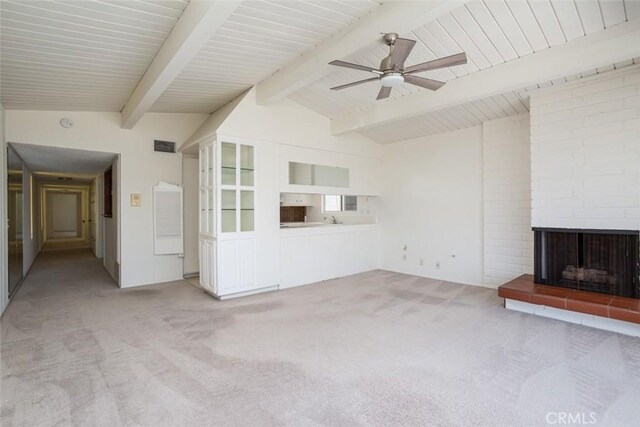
(604, 261)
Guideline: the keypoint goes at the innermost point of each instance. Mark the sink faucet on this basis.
(333, 220)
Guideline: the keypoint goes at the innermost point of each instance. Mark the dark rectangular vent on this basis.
(164, 146)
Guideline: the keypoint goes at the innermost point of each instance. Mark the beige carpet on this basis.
(372, 349)
(60, 244)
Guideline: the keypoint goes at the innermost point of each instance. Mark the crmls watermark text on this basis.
(571, 418)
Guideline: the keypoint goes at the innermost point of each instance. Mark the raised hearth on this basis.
(524, 289)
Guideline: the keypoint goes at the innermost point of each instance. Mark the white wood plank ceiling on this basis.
(261, 37)
(79, 55)
(470, 114)
(90, 54)
(491, 32)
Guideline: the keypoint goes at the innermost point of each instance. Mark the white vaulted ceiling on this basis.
(472, 113)
(79, 55)
(261, 37)
(490, 32)
(92, 54)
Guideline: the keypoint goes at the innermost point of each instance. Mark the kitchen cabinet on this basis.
(315, 254)
(295, 199)
(313, 171)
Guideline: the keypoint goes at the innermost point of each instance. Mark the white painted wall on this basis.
(4, 247)
(431, 200)
(190, 181)
(508, 239)
(585, 154)
(140, 168)
(95, 219)
(284, 122)
(111, 227)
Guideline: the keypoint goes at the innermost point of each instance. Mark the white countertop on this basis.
(316, 228)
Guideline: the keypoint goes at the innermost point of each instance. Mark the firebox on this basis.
(604, 261)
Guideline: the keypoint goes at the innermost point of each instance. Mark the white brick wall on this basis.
(508, 239)
(585, 153)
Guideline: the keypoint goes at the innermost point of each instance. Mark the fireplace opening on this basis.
(603, 261)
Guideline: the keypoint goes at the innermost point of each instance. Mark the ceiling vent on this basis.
(164, 146)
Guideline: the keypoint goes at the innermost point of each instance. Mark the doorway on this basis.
(66, 216)
(53, 200)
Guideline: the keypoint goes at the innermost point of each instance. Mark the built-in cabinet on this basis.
(207, 222)
(295, 199)
(230, 240)
(313, 171)
(242, 249)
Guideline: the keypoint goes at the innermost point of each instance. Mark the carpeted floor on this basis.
(378, 348)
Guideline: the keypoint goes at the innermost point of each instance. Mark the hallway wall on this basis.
(4, 247)
(111, 256)
(30, 215)
(191, 182)
(96, 227)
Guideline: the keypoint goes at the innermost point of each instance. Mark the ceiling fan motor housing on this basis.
(390, 38)
(391, 79)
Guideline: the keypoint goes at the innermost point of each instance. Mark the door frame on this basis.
(83, 192)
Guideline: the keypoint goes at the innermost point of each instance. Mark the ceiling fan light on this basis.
(391, 80)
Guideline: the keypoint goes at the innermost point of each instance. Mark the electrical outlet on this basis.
(438, 264)
(404, 257)
(421, 262)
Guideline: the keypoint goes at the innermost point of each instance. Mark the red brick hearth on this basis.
(524, 289)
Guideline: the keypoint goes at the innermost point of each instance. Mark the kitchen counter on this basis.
(322, 252)
(288, 225)
(301, 224)
(323, 228)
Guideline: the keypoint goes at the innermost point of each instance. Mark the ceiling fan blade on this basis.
(359, 82)
(354, 66)
(384, 92)
(422, 82)
(401, 50)
(447, 61)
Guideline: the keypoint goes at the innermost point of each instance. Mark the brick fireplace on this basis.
(585, 206)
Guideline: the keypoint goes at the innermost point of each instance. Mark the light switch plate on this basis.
(136, 200)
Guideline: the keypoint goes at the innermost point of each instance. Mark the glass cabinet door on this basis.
(237, 179)
(228, 163)
(207, 189)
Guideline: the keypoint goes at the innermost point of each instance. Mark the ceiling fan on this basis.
(392, 72)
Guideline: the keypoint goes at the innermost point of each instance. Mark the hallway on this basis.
(68, 326)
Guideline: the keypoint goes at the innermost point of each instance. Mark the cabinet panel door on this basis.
(248, 257)
(211, 254)
(229, 266)
(204, 264)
